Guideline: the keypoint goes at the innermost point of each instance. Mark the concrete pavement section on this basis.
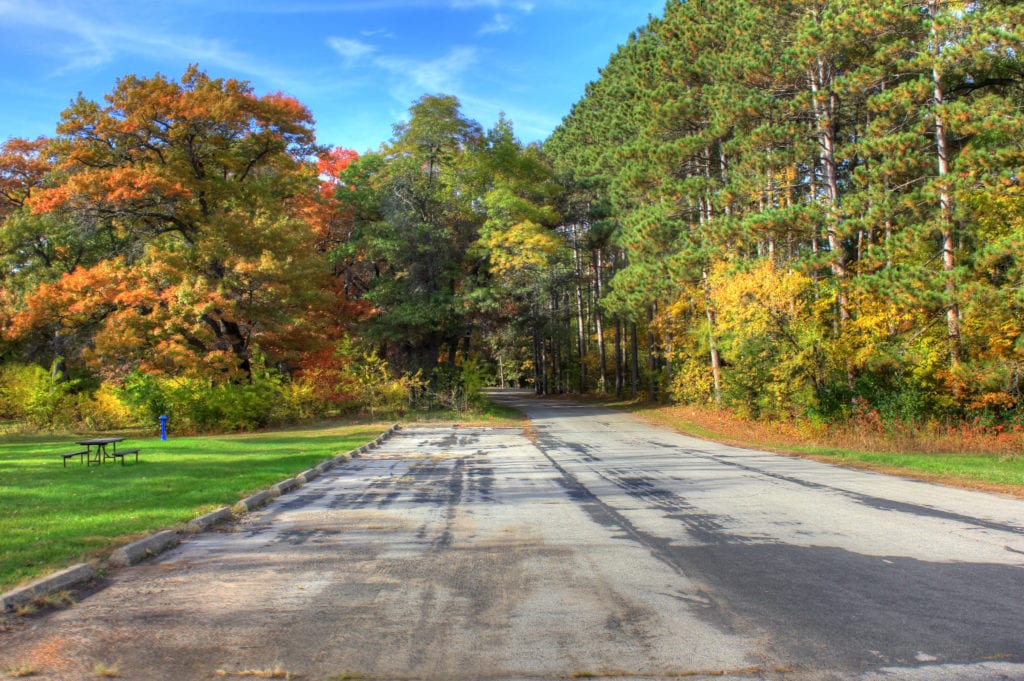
(584, 545)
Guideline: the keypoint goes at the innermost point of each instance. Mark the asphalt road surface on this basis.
(587, 545)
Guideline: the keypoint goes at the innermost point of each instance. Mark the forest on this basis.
(795, 209)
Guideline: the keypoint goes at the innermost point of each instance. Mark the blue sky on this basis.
(357, 64)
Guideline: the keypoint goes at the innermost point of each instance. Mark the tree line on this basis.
(186, 247)
(817, 206)
(792, 209)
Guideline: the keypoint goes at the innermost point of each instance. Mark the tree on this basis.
(186, 195)
(521, 255)
(415, 221)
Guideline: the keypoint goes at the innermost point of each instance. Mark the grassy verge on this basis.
(964, 457)
(52, 517)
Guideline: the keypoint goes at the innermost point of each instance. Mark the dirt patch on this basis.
(49, 657)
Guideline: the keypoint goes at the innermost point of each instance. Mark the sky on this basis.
(357, 64)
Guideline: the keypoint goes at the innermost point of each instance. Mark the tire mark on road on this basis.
(608, 517)
(877, 503)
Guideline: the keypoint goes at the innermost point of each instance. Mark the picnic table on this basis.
(100, 453)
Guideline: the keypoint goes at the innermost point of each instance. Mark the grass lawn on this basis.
(52, 517)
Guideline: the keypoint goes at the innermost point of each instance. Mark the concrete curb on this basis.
(307, 476)
(138, 551)
(284, 486)
(205, 522)
(65, 579)
(251, 503)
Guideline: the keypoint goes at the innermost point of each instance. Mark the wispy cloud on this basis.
(357, 6)
(501, 23)
(377, 33)
(89, 40)
(443, 74)
(517, 5)
(530, 124)
(351, 50)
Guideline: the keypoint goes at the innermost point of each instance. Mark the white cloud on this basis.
(439, 75)
(377, 33)
(517, 5)
(530, 124)
(501, 23)
(90, 39)
(351, 50)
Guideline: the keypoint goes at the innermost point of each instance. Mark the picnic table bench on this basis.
(100, 454)
(81, 453)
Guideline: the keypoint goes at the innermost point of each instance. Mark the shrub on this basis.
(105, 410)
(693, 382)
(38, 397)
(299, 400)
(459, 388)
(198, 404)
(20, 388)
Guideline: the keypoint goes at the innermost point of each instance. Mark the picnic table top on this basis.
(99, 441)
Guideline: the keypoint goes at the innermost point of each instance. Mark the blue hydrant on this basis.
(163, 427)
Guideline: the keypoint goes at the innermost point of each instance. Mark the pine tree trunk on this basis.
(599, 321)
(826, 109)
(945, 200)
(652, 357)
(716, 359)
(634, 361)
(538, 361)
(556, 355)
(581, 337)
(620, 378)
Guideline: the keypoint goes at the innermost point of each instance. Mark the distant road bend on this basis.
(587, 544)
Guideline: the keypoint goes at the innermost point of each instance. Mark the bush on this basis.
(21, 389)
(105, 410)
(299, 400)
(460, 388)
(199, 405)
(693, 382)
(36, 396)
(42, 401)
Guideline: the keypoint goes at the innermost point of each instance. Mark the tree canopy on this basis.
(804, 204)
(175, 206)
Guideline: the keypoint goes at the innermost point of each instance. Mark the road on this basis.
(587, 544)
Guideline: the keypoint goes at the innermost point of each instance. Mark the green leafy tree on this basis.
(415, 223)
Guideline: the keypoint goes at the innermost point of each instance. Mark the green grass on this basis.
(52, 517)
(989, 469)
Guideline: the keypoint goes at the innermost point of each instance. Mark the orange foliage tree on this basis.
(192, 196)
